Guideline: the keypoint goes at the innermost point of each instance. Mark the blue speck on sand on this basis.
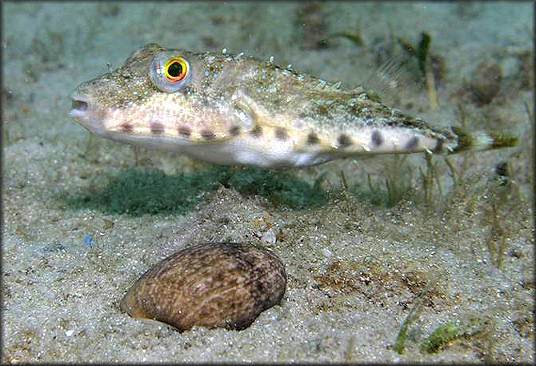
(88, 241)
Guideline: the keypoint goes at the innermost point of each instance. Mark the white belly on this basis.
(237, 151)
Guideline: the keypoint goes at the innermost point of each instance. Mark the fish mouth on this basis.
(85, 113)
(80, 106)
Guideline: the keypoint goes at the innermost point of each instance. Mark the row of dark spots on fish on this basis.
(158, 129)
(343, 140)
(376, 139)
(186, 132)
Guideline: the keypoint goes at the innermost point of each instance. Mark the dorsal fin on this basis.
(387, 81)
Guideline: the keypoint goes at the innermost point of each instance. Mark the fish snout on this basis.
(86, 112)
(80, 106)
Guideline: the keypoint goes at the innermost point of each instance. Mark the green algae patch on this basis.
(445, 334)
(138, 192)
(280, 188)
(400, 341)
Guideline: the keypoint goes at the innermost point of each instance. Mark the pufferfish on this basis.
(237, 110)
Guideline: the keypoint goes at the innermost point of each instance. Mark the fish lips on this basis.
(85, 114)
(80, 106)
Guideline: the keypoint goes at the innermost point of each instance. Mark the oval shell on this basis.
(211, 285)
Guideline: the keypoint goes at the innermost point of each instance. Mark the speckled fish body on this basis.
(233, 109)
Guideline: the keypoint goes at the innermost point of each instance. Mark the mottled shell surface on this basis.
(211, 285)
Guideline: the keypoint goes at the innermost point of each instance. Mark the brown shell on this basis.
(211, 285)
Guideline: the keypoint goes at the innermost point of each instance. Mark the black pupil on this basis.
(175, 69)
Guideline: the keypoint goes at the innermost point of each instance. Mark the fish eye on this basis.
(175, 69)
(170, 72)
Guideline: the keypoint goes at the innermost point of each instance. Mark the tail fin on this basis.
(479, 141)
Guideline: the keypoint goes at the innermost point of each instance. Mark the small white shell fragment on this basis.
(270, 236)
(69, 333)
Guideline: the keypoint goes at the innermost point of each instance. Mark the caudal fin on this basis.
(480, 140)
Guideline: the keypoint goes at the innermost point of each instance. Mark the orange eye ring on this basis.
(170, 72)
(175, 69)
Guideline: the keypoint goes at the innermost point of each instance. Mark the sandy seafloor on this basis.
(355, 266)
